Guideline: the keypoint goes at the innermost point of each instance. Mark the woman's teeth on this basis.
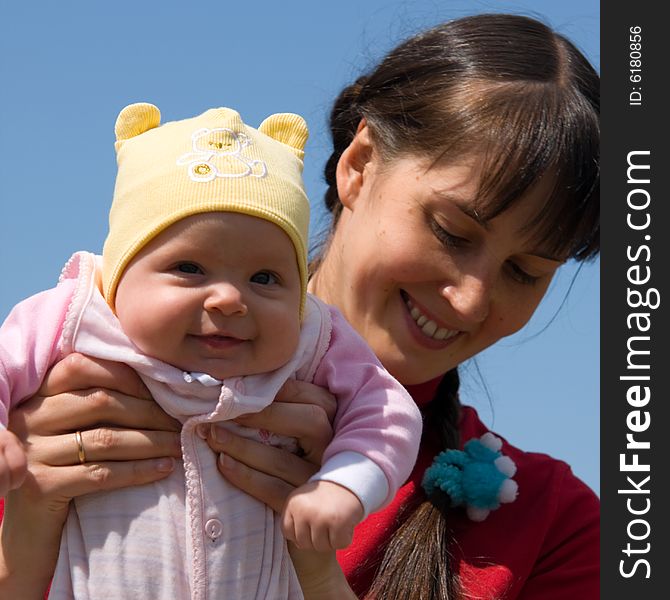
(429, 327)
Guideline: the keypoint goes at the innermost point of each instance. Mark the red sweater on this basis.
(543, 546)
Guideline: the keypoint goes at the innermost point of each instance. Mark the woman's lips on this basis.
(425, 329)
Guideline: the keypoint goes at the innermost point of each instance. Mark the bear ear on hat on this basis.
(136, 119)
(287, 128)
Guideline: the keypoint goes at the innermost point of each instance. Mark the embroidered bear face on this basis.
(220, 153)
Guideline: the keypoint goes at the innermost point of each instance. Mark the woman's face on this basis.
(419, 276)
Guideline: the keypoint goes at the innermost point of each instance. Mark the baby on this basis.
(201, 288)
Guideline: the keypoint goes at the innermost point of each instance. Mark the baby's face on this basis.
(217, 293)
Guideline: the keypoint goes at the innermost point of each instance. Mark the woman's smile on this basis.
(426, 329)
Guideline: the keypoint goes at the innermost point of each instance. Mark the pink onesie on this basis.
(193, 535)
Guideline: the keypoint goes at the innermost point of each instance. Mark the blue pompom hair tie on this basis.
(478, 477)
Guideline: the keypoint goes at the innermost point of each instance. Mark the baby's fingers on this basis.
(304, 537)
(288, 526)
(339, 538)
(308, 535)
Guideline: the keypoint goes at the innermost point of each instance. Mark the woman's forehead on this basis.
(468, 183)
(460, 185)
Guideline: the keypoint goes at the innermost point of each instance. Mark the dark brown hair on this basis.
(509, 89)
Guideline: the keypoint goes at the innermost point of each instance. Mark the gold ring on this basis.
(81, 453)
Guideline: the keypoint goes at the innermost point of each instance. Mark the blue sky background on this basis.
(67, 68)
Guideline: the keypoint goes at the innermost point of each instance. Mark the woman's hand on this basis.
(12, 462)
(126, 437)
(303, 411)
(300, 410)
(127, 440)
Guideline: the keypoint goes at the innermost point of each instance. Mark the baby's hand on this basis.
(321, 515)
(13, 466)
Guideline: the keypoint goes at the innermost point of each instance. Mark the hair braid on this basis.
(344, 119)
(424, 537)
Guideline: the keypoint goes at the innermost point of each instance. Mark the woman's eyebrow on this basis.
(464, 205)
(473, 214)
(545, 256)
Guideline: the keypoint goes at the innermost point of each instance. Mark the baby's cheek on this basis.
(145, 338)
(150, 330)
(284, 334)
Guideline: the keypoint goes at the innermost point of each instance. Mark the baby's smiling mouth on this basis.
(219, 341)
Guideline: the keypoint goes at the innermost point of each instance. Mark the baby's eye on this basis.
(188, 267)
(264, 278)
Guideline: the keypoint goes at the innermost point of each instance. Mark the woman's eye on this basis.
(264, 278)
(189, 268)
(445, 238)
(522, 276)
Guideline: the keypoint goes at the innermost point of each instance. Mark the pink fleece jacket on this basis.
(193, 535)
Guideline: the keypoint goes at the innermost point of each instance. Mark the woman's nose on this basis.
(227, 299)
(470, 297)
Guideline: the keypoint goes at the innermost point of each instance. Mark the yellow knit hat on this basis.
(212, 162)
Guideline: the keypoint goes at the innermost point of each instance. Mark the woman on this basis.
(464, 173)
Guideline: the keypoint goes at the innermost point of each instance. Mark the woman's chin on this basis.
(412, 370)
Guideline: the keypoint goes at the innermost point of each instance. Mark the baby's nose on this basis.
(227, 299)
